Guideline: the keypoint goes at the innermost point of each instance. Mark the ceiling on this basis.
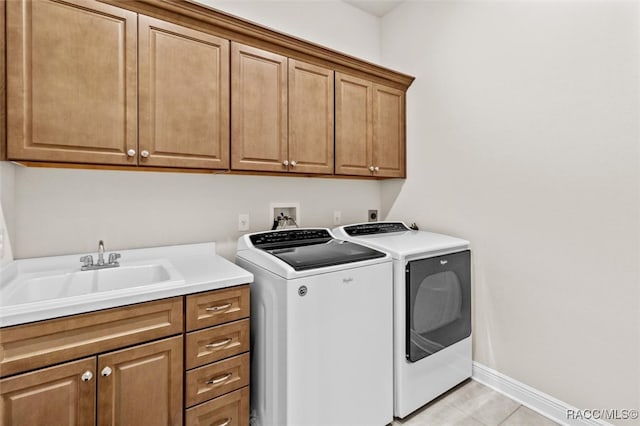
(374, 7)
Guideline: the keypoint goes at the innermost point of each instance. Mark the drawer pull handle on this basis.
(226, 422)
(218, 308)
(219, 380)
(218, 344)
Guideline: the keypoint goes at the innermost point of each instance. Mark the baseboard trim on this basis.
(540, 402)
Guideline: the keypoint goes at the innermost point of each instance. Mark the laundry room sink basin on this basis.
(53, 284)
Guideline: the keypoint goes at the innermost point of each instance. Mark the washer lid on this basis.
(305, 249)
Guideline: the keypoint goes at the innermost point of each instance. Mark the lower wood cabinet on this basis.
(126, 366)
(141, 385)
(125, 383)
(60, 395)
(231, 409)
(217, 358)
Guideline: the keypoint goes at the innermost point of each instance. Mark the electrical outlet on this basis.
(337, 217)
(372, 215)
(243, 222)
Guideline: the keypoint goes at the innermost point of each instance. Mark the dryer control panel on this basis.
(375, 228)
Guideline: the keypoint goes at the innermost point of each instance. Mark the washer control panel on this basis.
(285, 238)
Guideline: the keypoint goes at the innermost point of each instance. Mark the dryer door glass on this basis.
(438, 303)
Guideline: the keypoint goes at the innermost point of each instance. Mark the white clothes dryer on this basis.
(321, 330)
(432, 309)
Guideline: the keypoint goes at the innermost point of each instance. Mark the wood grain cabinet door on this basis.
(354, 125)
(60, 395)
(141, 385)
(388, 131)
(184, 96)
(310, 118)
(258, 109)
(71, 82)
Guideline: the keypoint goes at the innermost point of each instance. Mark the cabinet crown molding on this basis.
(222, 24)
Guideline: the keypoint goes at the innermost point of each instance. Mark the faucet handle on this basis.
(113, 258)
(87, 260)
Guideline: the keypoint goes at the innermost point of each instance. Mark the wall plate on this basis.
(288, 212)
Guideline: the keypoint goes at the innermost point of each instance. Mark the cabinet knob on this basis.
(144, 154)
(86, 376)
(106, 371)
(131, 152)
(285, 163)
(293, 164)
(371, 168)
(376, 169)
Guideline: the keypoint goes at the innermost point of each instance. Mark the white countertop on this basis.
(197, 264)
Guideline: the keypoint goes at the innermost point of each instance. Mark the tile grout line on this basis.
(510, 415)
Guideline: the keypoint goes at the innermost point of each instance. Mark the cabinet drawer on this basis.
(30, 346)
(216, 379)
(215, 343)
(230, 410)
(217, 307)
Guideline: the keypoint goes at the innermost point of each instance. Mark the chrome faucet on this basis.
(87, 261)
(100, 253)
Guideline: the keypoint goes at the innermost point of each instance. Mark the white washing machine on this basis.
(432, 309)
(321, 330)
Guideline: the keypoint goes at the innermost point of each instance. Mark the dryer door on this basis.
(438, 303)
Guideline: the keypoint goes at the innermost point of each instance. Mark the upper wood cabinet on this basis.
(310, 118)
(183, 96)
(258, 109)
(370, 126)
(282, 113)
(71, 82)
(388, 153)
(354, 125)
(92, 83)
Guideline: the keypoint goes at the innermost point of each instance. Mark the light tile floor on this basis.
(472, 404)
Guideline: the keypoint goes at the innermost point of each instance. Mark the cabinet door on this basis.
(310, 118)
(388, 131)
(71, 82)
(51, 396)
(354, 126)
(184, 96)
(258, 109)
(141, 385)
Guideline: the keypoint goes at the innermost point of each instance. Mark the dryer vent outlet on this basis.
(372, 216)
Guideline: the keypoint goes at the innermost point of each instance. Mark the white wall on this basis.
(523, 137)
(68, 211)
(6, 204)
(330, 23)
(51, 212)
